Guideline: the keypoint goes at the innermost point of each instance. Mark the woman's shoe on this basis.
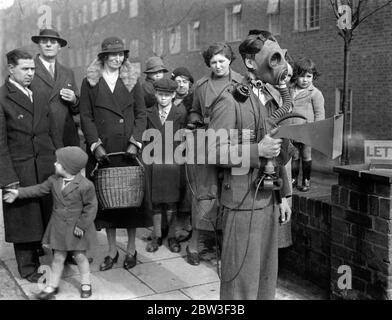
(305, 186)
(192, 257)
(154, 244)
(108, 262)
(44, 295)
(174, 245)
(130, 261)
(86, 293)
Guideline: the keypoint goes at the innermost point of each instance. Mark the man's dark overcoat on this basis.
(27, 155)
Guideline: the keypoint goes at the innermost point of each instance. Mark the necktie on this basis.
(163, 116)
(51, 70)
(30, 95)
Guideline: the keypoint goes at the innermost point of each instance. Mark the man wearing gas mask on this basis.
(253, 200)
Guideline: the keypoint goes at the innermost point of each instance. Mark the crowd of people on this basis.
(47, 175)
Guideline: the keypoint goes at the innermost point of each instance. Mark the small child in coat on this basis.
(71, 226)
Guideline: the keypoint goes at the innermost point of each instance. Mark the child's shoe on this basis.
(47, 294)
(305, 186)
(154, 244)
(85, 291)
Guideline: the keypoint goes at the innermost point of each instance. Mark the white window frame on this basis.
(104, 8)
(94, 10)
(305, 11)
(133, 8)
(193, 43)
(349, 113)
(85, 14)
(233, 33)
(273, 13)
(175, 39)
(113, 6)
(157, 42)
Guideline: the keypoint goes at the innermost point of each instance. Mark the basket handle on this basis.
(116, 154)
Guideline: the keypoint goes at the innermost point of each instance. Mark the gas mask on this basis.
(269, 64)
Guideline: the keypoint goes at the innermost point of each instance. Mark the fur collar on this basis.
(128, 74)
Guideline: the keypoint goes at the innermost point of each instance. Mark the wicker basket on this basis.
(119, 187)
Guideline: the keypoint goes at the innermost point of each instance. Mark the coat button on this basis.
(121, 121)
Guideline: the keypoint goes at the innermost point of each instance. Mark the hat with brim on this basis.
(51, 34)
(155, 64)
(165, 85)
(112, 45)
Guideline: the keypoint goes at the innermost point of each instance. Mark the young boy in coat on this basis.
(71, 226)
(165, 176)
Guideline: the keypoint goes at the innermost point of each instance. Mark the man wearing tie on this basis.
(55, 87)
(26, 158)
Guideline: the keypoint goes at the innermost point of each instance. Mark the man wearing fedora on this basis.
(55, 88)
(154, 71)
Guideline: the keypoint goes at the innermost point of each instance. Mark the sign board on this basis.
(378, 150)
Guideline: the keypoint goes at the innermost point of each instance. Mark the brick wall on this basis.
(351, 228)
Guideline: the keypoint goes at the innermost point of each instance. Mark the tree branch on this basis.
(373, 12)
(335, 10)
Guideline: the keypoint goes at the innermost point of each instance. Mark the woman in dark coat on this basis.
(113, 118)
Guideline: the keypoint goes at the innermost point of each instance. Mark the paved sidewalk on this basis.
(162, 275)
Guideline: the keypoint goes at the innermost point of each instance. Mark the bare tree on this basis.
(359, 12)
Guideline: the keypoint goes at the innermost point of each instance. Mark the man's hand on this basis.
(285, 211)
(11, 195)
(78, 232)
(68, 95)
(101, 155)
(269, 147)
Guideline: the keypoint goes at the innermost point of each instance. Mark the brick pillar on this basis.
(361, 233)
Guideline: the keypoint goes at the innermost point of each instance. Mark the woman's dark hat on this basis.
(49, 33)
(181, 72)
(112, 45)
(154, 64)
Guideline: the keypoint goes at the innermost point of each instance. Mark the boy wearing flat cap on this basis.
(154, 71)
(71, 227)
(164, 176)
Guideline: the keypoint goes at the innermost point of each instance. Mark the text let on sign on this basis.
(378, 150)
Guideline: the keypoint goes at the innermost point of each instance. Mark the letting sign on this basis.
(378, 150)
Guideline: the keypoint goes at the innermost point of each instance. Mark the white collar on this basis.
(25, 90)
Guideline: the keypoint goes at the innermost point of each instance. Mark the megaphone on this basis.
(325, 136)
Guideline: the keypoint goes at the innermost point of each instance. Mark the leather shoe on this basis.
(174, 245)
(71, 260)
(192, 257)
(130, 261)
(108, 262)
(34, 277)
(43, 295)
(84, 294)
(154, 244)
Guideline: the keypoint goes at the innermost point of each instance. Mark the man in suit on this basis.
(55, 87)
(26, 158)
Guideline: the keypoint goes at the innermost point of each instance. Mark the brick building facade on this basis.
(179, 30)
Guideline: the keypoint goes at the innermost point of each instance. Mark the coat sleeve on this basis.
(8, 174)
(286, 190)
(87, 115)
(74, 107)
(318, 105)
(38, 190)
(228, 152)
(140, 113)
(90, 206)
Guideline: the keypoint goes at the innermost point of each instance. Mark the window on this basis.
(85, 14)
(273, 13)
(194, 35)
(104, 8)
(157, 42)
(233, 25)
(71, 58)
(133, 8)
(134, 48)
(123, 4)
(58, 23)
(338, 108)
(113, 6)
(175, 40)
(94, 10)
(306, 15)
(71, 20)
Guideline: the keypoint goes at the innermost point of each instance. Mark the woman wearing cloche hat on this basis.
(113, 118)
